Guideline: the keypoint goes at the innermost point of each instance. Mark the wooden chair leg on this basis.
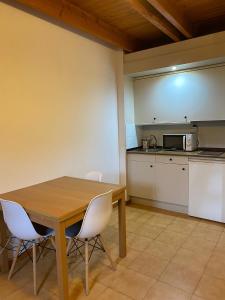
(35, 268)
(15, 259)
(86, 267)
(107, 253)
(68, 246)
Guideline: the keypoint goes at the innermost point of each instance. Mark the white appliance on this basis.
(185, 141)
(207, 189)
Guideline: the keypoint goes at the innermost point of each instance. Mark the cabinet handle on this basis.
(151, 166)
(183, 169)
(171, 159)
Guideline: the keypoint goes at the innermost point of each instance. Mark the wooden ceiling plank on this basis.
(158, 22)
(74, 16)
(173, 16)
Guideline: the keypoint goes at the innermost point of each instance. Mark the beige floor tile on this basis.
(8, 288)
(211, 288)
(138, 243)
(161, 219)
(189, 257)
(27, 293)
(216, 265)
(159, 249)
(181, 276)
(78, 292)
(196, 244)
(110, 294)
(133, 284)
(221, 243)
(196, 298)
(207, 234)
(131, 255)
(149, 231)
(149, 265)
(163, 291)
(133, 226)
(172, 238)
(106, 275)
(211, 225)
(182, 226)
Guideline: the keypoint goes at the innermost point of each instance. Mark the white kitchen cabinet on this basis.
(158, 178)
(207, 189)
(198, 95)
(141, 177)
(172, 183)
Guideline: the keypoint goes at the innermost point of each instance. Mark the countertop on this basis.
(194, 154)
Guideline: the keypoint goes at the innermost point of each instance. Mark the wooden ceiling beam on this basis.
(155, 19)
(173, 16)
(72, 15)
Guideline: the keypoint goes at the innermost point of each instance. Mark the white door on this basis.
(141, 179)
(172, 183)
(207, 190)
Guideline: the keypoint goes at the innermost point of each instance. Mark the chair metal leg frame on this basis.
(68, 246)
(100, 245)
(107, 253)
(86, 267)
(76, 247)
(98, 241)
(34, 259)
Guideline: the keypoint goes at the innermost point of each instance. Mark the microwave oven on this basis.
(185, 142)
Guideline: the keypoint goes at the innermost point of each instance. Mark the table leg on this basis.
(61, 258)
(122, 226)
(4, 266)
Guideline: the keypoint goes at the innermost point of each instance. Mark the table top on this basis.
(60, 198)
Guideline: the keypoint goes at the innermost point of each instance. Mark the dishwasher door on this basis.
(207, 189)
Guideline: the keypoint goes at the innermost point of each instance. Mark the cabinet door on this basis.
(141, 179)
(199, 95)
(172, 183)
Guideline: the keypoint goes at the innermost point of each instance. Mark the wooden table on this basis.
(57, 204)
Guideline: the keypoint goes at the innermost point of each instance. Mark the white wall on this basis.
(58, 94)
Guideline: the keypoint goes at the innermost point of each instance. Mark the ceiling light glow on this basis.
(174, 68)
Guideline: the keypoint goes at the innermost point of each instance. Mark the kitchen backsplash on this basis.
(210, 134)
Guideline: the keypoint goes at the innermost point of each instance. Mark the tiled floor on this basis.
(169, 257)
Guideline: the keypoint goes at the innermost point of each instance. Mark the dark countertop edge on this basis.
(194, 154)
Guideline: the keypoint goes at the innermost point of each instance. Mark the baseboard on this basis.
(159, 204)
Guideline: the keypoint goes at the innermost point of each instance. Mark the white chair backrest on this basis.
(18, 221)
(97, 216)
(94, 175)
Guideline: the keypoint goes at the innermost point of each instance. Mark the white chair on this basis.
(95, 220)
(94, 175)
(21, 227)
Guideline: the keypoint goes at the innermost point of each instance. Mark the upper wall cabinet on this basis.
(181, 97)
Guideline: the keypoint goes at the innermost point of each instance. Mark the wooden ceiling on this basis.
(135, 25)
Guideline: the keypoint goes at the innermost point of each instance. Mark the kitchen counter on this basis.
(194, 154)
